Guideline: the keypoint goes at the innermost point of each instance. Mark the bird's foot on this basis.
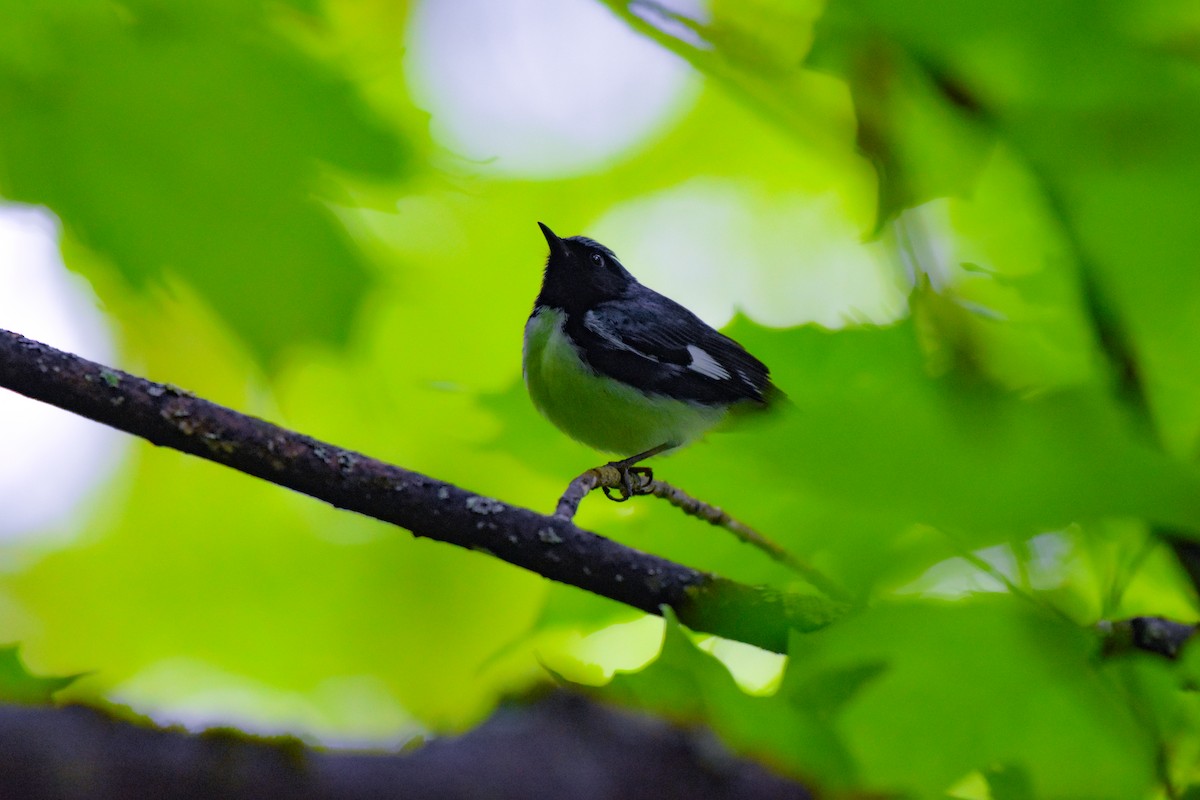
(633, 481)
(630, 480)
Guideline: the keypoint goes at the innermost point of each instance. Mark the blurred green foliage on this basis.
(254, 199)
(18, 685)
(188, 139)
(884, 700)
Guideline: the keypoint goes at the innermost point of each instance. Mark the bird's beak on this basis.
(557, 245)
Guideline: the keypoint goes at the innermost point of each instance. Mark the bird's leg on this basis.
(627, 469)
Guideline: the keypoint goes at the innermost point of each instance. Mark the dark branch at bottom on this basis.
(562, 746)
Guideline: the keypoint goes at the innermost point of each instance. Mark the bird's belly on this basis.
(599, 411)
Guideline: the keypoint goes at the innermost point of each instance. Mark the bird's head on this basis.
(580, 273)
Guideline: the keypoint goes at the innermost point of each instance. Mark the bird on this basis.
(625, 370)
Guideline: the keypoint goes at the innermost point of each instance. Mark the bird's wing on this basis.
(651, 342)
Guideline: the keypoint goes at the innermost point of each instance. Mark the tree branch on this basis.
(1164, 637)
(552, 547)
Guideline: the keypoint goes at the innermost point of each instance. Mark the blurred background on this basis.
(963, 238)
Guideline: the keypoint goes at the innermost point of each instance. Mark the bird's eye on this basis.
(598, 259)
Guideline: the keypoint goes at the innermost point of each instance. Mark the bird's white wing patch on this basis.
(594, 323)
(705, 364)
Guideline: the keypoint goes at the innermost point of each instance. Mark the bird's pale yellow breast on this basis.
(596, 410)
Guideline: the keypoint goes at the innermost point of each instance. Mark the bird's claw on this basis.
(629, 488)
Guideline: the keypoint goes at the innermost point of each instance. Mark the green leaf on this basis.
(1009, 783)
(18, 685)
(971, 685)
(756, 49)
(690, 686)
(920, 140)
(187, 142)
(913, 697)
(1114, 124)
(877, 457)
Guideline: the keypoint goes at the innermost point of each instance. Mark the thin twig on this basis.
(608, 476)
(578, 489)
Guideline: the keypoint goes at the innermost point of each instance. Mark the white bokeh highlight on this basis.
(958, 577)
(539, 89)
(51, 459)
(719, 246)
(347, 711)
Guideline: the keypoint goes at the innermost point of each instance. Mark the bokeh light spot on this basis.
(721, 246)
(540, 89)
(52, 458)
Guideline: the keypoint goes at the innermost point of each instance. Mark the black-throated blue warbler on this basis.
(621, 368)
